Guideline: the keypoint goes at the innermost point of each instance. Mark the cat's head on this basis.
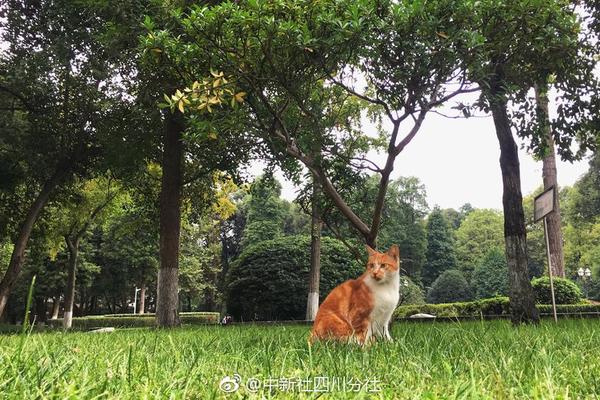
(381, 266)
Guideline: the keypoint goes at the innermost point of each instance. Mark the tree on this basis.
(480, 231)
(490, 277)
(60, 81)
(282, 67)
(264, 212)
(440, 254)
(550, 178)
(200, 144)
(517, 45)
(87, 205)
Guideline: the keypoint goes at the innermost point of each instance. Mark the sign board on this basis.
(543, 204)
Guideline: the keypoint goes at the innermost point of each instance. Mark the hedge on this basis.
(486, 307)
(134, 321)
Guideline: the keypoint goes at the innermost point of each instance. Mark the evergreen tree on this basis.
(491, 276)
(265, 212)
(440, 254)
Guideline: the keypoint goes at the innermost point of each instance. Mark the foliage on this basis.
(264, 212)
(450, 286)
(565, 291)
(490, 277)
(270, 278)
(410, 293)
(480, 230)
(440, 254)
(136, 320)
(520, 44)
(496, 306)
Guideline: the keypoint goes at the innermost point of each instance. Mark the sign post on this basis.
(544, 205)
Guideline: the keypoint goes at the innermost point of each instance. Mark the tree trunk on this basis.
(18, 255)
(55, 307)
(73, 246)
(549, 175)
(40, 309)
(167, 299)
(142, 302)
(522, 302)
(312, 303)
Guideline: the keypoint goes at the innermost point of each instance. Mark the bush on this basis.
(493, 306)
(491, 276)
(269, 281)
(486, 307)
(135, 321)
(565, 291)
(410, 292)
(450, 286)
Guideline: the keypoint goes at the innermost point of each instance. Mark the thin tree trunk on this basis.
(40, 309)
(553, 220)
(73, 246)
(142, 302)
(167, 299)
(55, 307)
(312, 303)
(18, 255)
(522, 302)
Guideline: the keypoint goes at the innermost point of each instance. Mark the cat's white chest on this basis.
(385, 300)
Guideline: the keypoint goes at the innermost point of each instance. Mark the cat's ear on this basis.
(370, 250)
(394, 251)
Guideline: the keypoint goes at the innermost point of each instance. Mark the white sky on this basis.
(458, 161)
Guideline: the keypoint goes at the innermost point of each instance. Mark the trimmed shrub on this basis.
(565, 291)
(269, 281)
(135, 321)
(486, 307)
(451, 286)
(491, 276)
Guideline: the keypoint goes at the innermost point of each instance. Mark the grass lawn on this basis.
(430, 360)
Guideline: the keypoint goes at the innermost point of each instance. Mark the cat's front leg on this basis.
(387, 335)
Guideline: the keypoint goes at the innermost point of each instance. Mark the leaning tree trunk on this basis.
(312, 303)
(522, 302)
(142, 303)
(18, 255)
(553, 220)
(73, 246)
(167, 299)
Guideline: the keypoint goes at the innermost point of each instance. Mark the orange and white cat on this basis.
(361, 309)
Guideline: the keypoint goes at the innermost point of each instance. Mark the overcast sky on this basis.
(458, 161)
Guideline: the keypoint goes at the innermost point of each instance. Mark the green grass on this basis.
(487, 360)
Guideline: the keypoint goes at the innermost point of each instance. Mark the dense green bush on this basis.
(565, 291)
(491, 276)
(269, 281)
(450, 286)
(135, 321)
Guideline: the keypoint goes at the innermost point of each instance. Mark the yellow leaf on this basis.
(239, 97)
(180, 105)
(443, 35)
(216, 74)
(212, 135)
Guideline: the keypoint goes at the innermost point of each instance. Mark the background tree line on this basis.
(97, 95)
